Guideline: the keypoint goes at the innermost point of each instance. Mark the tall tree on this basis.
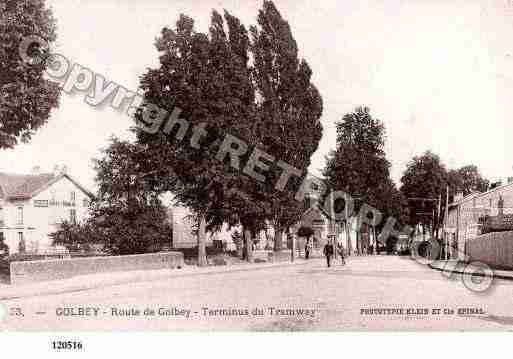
(423, 182)
(289, 109)
(359, 166)
(467, 179)
(126, 215)
(26, 97)
(207, 77)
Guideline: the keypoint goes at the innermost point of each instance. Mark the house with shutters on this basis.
(32, 206)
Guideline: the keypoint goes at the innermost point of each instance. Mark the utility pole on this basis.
(439, 216)
(293, 247)
(333, 225)
(349, 245)
(446, 217)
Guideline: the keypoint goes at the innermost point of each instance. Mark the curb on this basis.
(479, 274)
(140, 278)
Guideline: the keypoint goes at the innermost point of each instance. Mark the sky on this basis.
(439, 74)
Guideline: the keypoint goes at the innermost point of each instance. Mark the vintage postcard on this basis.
(261, 166)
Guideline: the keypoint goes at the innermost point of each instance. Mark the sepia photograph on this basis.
(255, 166)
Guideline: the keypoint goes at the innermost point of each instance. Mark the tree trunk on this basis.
(293, 248)
(249, 245)
(348, 237)
(202, 251)
(278, 239)
(240, 247)
(358, 243)
(374, 241)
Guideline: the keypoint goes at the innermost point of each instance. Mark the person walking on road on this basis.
(340, 250)
(328, 252)
(308, 248)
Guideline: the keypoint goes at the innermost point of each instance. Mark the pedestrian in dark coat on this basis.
(340, 250)
(308, 248)
(328, 252)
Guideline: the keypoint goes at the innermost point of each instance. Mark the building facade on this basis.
(464, 213)
(33, 206)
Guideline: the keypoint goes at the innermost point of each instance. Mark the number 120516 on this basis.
(66, 345)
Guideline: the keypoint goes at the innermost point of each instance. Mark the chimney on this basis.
(35, 170)
(60, 170)
(56, 170)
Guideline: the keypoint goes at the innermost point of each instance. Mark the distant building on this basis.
(324, 225)
(464, 213)
(315, 217)
(184, 228)
(32, 206)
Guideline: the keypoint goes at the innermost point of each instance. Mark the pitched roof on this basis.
(22, 186)
(17, 186)
(479, 194)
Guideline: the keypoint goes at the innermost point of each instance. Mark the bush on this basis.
(305, 231)
(4, 268)
(119, 230)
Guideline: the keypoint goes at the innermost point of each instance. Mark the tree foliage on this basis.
(26, 97)
(207, 78)
(76, 236)
(304, 231)
(467, 180)
(126, 216)
(289, 108)
(359, 166)
(425, 178)
(271, 106)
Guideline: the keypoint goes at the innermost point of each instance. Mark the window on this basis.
(85, 202)
(20, 215)
(73, 216)
(73, 196)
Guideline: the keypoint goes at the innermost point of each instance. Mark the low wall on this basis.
(44, 270)
(494, 249)
(280, 256)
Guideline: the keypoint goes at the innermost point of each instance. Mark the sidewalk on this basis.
(459, 267)
(96, 281)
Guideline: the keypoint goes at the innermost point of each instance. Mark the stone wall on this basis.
(45, 270)
(280, 256)
(494, 249)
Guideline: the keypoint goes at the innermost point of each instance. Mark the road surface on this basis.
(308, 296)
